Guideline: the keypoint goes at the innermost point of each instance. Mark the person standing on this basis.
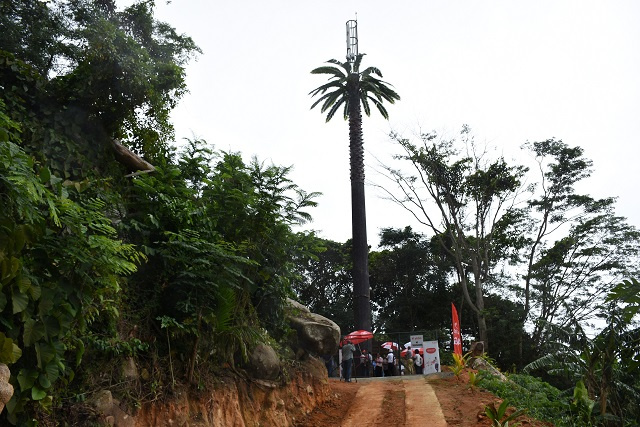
(408, 361)
(379, 365)
(368, 362)
(390, 364)
(347, 360)
(418, 362)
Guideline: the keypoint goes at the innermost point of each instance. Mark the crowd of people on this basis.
(383, 364)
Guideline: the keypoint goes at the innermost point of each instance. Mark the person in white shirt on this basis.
(418, 361)
(390, 364)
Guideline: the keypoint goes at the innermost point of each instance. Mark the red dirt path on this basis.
(388, 403)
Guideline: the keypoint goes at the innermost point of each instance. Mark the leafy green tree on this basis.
(409, 286)
(579, 248)
(266, 205)
(34, 31)
(323, 282)
(355, 90)
(61, 269)
(218, 233)
(627, 292)
(113, 75)
(474, 216)
(568, 248)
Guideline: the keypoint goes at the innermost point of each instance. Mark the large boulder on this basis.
(479, 364)
(316, 334)
(6, 389)
(264, 362)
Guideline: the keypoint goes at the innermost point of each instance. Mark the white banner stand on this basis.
(431, 357)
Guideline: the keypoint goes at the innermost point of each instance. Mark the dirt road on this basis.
(433, 401)
(376, 401)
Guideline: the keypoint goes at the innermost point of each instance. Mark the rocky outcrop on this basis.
(264, 363)
(6, 389)
(477, 349)
(479, 364)
(109, 407)
(316, 334)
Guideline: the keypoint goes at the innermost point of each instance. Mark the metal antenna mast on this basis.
(352, 39)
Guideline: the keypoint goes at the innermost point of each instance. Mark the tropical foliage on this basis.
(476, 221)
(62, 267)
(604, 364)
(99, 261)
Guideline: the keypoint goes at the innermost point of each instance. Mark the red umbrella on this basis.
(356, 337)
(390, 345)
(413, 350)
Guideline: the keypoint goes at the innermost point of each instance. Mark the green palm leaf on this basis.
(369, 88)
(335, 107)
(331, 99)
(365, 104)
(329, 70)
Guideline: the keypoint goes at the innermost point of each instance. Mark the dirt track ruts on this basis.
(379, 398)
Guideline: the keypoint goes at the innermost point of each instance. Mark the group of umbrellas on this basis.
(360, 336)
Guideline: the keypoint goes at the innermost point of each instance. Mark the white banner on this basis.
(431, 357)
(416, 341)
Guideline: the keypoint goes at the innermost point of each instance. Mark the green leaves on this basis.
(628, 292)
(9, 351)
(582, 404)
(33, 331)
(49, 244)
(27, 378)
(498, 416)
(19, 302)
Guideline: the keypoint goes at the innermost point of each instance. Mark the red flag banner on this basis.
(457, 339)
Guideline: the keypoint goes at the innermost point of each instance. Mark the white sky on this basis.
(513, 70)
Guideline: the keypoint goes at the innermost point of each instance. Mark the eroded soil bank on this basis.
(238, 403)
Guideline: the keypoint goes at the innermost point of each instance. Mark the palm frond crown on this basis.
(368, 83)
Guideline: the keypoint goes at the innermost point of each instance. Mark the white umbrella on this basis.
(390, 345)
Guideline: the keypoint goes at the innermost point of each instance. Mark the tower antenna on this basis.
(352, 39)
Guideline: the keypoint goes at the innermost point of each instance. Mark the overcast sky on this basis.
(515, 71)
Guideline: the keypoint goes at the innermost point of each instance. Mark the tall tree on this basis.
(355, 90)
(472, 214)
(566, 250)
(579, 248)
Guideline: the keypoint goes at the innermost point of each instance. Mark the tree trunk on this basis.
(482, 320)
(129, 159)
(476, 306)
(194, 353)
(361, 288)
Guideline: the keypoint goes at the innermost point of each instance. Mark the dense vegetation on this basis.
(188, 265)
(185, 266)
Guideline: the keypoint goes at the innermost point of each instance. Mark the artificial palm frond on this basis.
(367, 86)
(334, 108)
